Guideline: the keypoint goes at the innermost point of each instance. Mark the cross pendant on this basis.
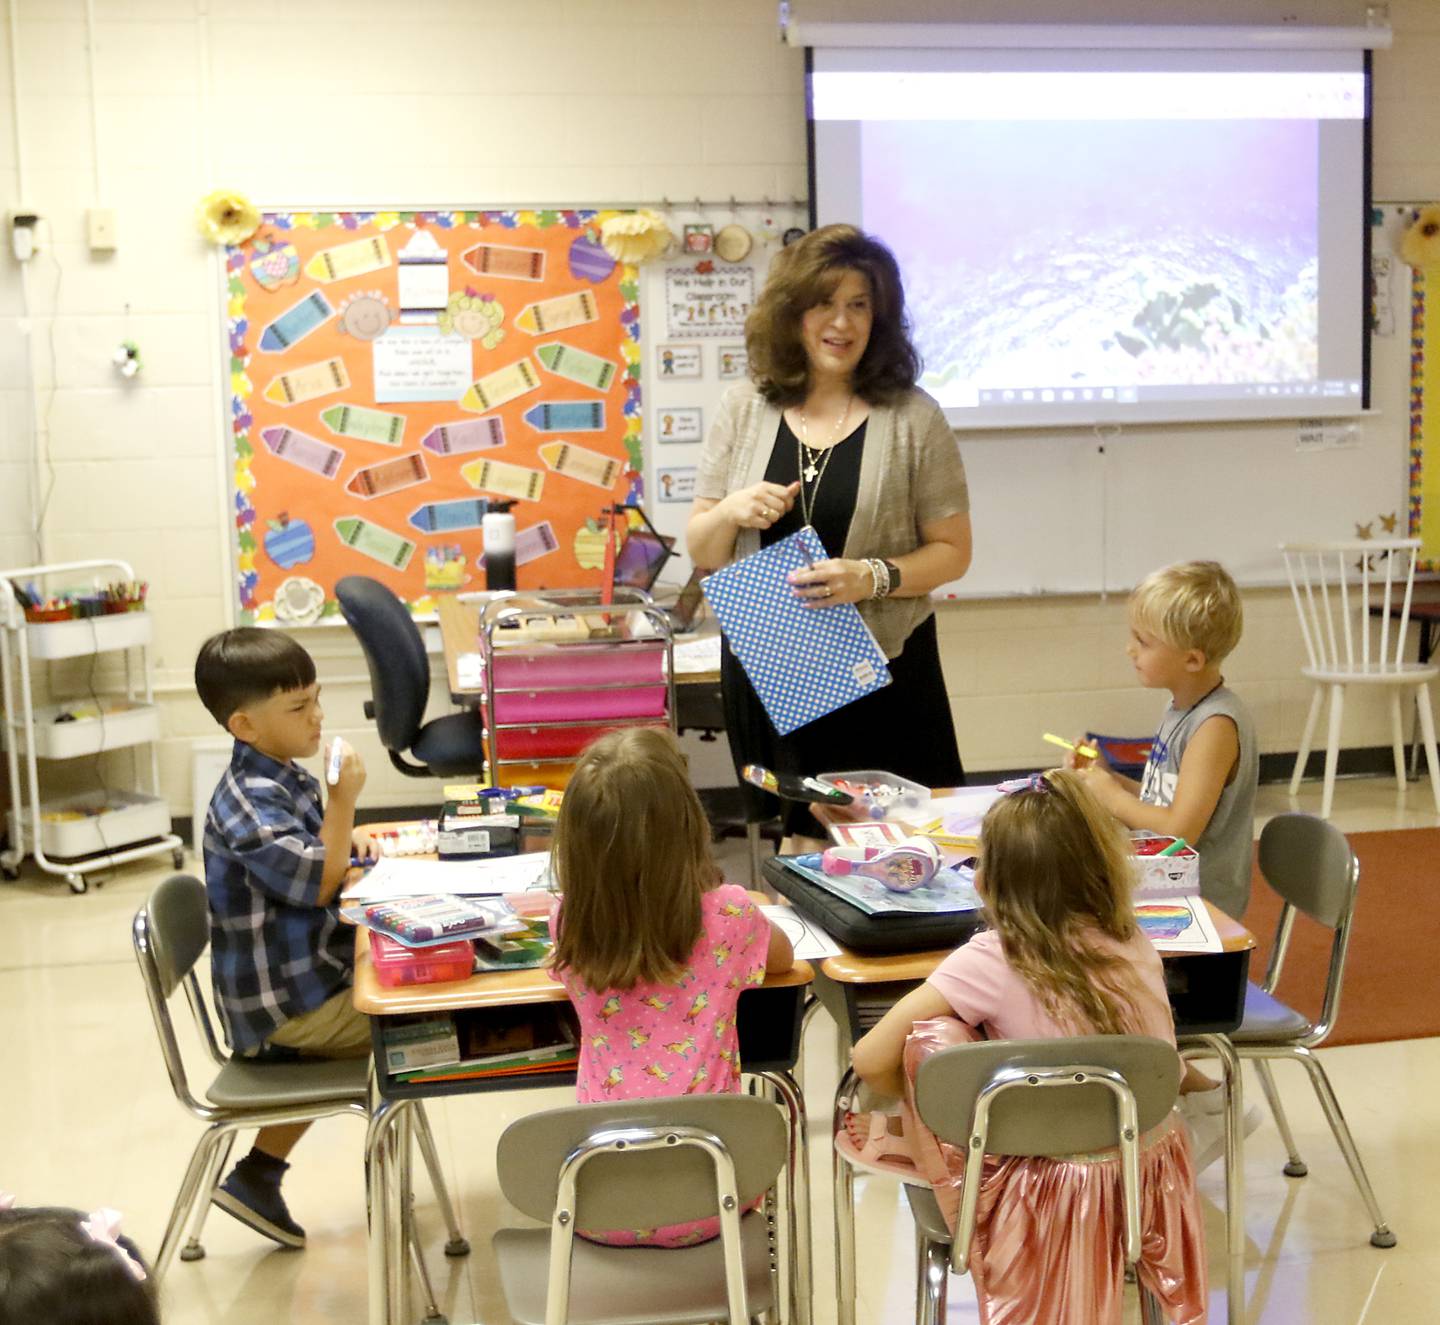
(810, 472)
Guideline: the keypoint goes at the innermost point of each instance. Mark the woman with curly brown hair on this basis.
(832, 432)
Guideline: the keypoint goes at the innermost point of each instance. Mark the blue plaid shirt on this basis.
(275, 952)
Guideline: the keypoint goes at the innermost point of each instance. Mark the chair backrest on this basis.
(170, 934)
(1048, 1122)
(654, 1187)
(1337, 585)
(1310, 864)
(1047, 1097)
(395, 655)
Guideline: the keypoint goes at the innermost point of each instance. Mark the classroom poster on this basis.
(392, 372)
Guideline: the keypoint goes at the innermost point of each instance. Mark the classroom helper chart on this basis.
(392, 374)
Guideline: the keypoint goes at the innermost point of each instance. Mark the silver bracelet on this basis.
(879, 577)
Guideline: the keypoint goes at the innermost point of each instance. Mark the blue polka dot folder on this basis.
(804, 662)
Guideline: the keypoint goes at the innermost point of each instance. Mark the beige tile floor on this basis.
(88, 1119)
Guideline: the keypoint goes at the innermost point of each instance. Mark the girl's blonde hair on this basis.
(1054, 865)
(632, 858)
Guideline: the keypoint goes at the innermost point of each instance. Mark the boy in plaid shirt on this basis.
(281, 960)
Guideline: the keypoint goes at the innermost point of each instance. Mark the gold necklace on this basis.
(810, 473)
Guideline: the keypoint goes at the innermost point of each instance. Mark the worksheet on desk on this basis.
(809, 942)
(403, 876)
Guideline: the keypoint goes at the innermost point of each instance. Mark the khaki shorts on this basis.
(333, 1030)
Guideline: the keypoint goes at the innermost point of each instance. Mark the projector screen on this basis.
(1111, 237)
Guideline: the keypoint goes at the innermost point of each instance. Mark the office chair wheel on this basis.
(1382, 1237)
(1296, 1168)
(77, 883)
(177, 857)
(11, 872)
(192, 1251)
(458, 1247)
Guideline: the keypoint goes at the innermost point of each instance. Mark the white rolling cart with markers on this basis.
(76, 834)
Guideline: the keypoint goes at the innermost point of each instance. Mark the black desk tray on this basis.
(870, 934)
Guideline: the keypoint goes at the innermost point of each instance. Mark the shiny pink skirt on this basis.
(1049, 1235)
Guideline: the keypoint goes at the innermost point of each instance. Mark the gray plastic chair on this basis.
(1309, 863)
(1035, 1097)
(640, 1163)
(170, 934)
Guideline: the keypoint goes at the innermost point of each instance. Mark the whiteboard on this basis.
(1084, 511)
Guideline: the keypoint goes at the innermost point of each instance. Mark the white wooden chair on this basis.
(1353, 598)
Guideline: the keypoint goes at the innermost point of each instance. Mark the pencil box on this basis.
(871, 934)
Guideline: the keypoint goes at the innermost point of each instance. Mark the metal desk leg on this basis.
(1220, 1047)
(386, 1243)
(410, 1242)
(797, 1194)
(842, 1178)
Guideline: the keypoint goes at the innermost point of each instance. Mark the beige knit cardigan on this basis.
(910, 475)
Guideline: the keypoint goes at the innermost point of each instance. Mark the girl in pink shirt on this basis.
(653, 947)
(1063, 956)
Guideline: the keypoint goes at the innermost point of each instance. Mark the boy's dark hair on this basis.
(51, 1270)
(238, 667)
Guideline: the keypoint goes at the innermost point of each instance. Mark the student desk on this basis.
(768, 1023)
(1207, 996)
(697, 694)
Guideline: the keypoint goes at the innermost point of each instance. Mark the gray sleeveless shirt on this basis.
(1226, 845)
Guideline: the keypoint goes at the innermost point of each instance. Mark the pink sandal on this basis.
(866, 1141)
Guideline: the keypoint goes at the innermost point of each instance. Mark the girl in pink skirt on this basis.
(1063, 956)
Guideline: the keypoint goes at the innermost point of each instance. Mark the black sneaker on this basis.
(253, 1197)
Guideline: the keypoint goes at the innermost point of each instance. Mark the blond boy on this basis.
(1199, 782)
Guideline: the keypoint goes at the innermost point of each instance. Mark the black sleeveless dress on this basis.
(903, 728)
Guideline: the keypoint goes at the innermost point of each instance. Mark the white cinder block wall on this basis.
(479, 102)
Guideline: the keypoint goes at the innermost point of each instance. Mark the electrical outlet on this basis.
(103, 235)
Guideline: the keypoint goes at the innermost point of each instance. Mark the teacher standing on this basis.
(832, 432)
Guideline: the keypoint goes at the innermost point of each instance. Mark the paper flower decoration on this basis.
(635, 237)
(1420, 244)
(226, 217)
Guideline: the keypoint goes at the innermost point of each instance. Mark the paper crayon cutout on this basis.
(440, 517)
(589, 261)
(466, 436)
(405, 471)
(504, 384)
(314, 379)
(531, 543)
(296, 322)
(506, 260)
(578, 462)
(422, 281)
(364, 424)
(303, 451)
(563, 311)
(357, 258)
(506, 479)
(577, 365)
(567, 416)
(274, 264)
(371, 540)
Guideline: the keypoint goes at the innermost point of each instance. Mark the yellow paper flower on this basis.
(227, 217)
(634, 237)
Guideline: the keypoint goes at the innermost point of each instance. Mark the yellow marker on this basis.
(314, 379)
(580, 462)
(1084, 751)
(356, 258)
(504, 384)
(556, 314)
(506, 479)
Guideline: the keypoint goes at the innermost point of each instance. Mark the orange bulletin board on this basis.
(391, 373)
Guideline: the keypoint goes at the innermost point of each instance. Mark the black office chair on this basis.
(452, 746)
